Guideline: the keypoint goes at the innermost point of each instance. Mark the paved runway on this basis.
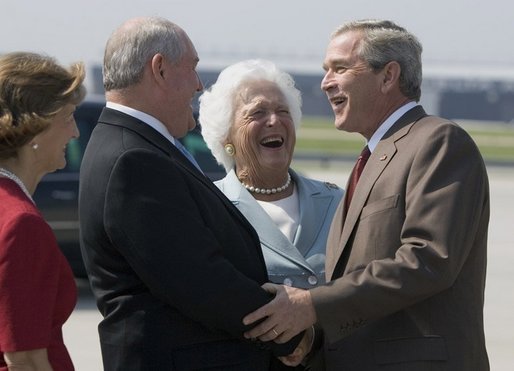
(81, 333)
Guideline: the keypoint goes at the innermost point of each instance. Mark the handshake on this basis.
(288, 314)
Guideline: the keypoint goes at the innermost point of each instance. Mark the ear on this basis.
(390, 76)
(157, 67)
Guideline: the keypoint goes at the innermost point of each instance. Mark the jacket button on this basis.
(313, 280)
(288, 281)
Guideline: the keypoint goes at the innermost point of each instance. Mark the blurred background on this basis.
(468, 77)
(468, 55)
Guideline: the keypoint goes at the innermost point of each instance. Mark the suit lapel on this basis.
(377, 163)
(314, 206)
(270, 236)
(117, 118)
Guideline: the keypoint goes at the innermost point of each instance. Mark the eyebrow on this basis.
(339, 60)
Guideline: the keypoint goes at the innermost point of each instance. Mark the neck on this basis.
(9, 174)
(25, 176)
(395, 103)
(272, 193)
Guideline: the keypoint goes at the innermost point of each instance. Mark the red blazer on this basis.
(37, 289)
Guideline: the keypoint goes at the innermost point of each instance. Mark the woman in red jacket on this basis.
(37, 290)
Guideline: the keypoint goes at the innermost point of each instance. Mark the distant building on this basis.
(457, 94)
(467, 94)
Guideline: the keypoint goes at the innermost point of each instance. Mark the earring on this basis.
(35, 146)
(230, 150)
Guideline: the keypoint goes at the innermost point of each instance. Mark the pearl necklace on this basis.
(10, 175)
(269, 191)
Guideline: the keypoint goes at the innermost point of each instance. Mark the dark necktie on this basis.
(354, 177)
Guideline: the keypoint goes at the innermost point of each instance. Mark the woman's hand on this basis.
(30, 360)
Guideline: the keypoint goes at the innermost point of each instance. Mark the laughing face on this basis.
(262, 133)
(352, 87)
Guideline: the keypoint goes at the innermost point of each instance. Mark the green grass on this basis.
(318, 135)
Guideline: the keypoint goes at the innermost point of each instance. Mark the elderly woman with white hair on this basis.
(249, 119)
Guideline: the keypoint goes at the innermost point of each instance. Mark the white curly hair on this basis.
(216, 109)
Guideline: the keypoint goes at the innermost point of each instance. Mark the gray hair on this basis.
(133, 44)
(216, 112)
(383, 42)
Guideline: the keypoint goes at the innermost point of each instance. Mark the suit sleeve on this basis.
(445, 184)
(157, 219)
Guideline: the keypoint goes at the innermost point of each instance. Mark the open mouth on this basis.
(272, 142)
(337, 101)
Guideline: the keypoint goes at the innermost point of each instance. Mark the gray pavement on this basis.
(81, 336)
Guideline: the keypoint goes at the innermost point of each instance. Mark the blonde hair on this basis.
(33, 88)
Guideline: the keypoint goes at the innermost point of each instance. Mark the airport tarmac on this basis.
(81, 337)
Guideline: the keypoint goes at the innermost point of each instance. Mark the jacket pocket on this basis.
(390, 202)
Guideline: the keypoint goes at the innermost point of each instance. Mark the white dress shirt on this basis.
(146, 118)
(157, 125)
(386, 125)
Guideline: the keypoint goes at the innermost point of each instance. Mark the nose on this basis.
(327, 82)
(273, 119)
(199, 88)
(75, 130)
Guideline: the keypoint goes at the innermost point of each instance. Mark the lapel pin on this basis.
(384, 157)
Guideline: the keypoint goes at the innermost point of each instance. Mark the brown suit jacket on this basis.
(407, 268)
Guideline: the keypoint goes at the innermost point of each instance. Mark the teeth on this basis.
(271, 139)
(337, 100)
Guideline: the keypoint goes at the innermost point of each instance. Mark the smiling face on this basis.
(50, 154)
(352, 87)
(262, 133)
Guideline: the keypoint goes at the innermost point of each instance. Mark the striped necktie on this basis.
(188, 155)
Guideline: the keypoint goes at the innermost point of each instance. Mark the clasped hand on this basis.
(288, 314)
(301, 351)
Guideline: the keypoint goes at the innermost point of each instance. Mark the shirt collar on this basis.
(146, 118)
(386, 125)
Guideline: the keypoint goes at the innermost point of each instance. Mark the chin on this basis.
(339, 125)
(342, 124)
(61, 166)
(278, 164)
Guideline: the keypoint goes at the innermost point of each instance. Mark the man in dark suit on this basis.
(406, 255)
(173, 264)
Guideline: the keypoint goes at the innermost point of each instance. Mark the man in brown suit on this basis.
(406, 260)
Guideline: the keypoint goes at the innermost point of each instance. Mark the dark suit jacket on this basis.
(408, 267)
(173, 264)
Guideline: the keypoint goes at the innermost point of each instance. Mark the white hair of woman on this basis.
(216, 111)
